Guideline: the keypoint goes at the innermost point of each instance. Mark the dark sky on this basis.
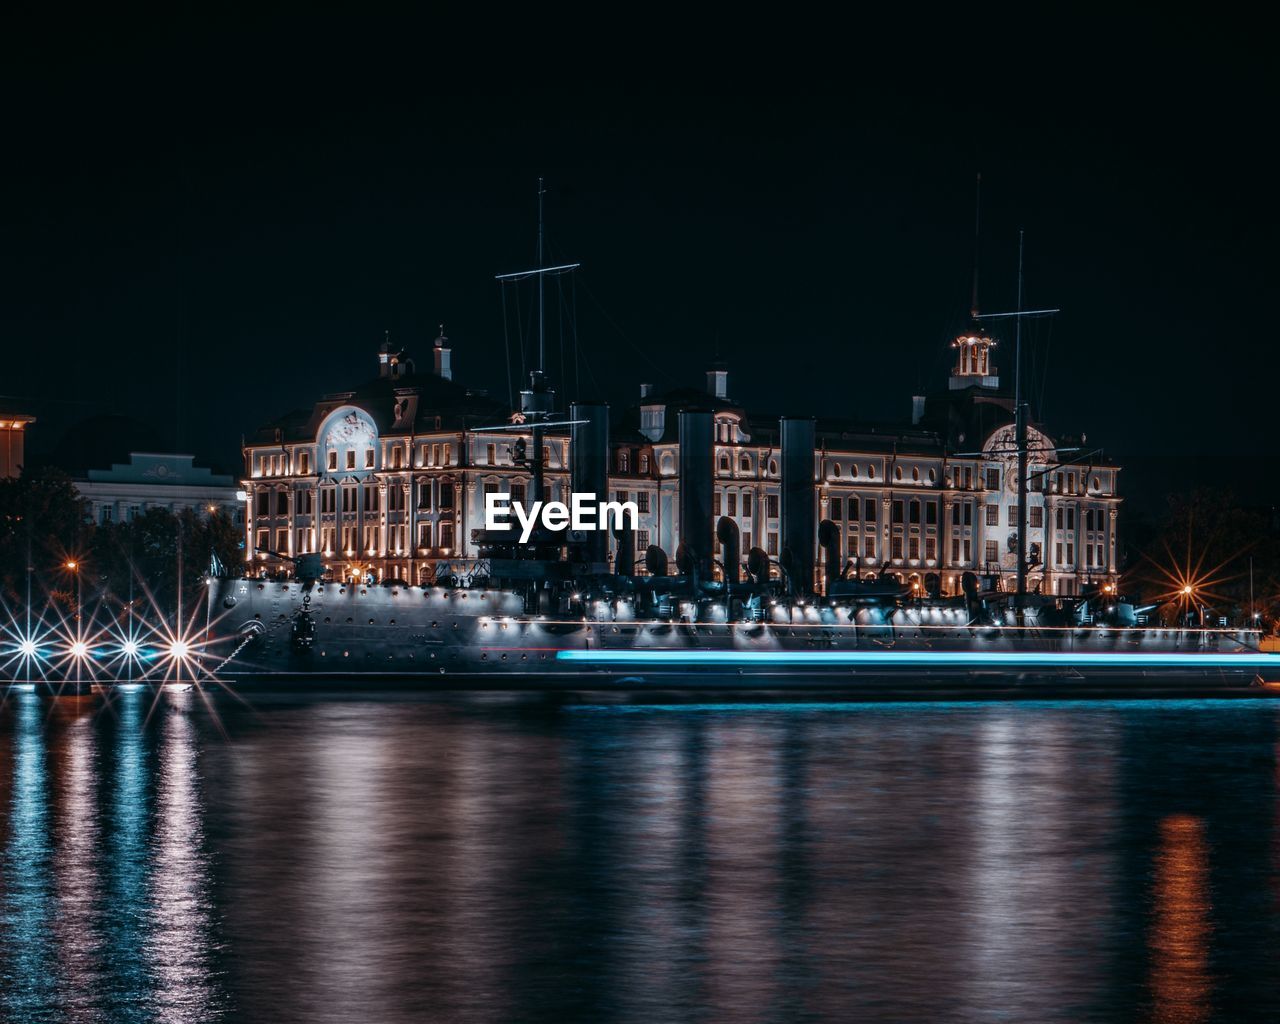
(209, 224)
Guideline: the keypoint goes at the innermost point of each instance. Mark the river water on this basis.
(409, 858)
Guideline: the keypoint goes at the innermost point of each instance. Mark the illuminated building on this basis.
(13, 432)
(153, 480)
(388, 480)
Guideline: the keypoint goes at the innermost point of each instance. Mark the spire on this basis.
(443, 367)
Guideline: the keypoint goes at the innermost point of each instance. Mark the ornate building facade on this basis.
(389, 480)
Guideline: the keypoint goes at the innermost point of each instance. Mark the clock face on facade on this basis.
(1011, 476)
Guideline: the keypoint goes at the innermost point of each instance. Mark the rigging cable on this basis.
(506, 346)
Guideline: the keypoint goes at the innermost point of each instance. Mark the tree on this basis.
(43, 523)
(1198, 556)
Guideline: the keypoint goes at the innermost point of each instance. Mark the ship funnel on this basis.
(731, 545)
(696, 483)
(798, 554)
(589, 465)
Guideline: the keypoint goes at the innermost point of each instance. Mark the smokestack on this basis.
(798, 513)
(696, 482)
(718, 380)
(917, 409)
(589, 464)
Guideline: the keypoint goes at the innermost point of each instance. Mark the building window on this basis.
(1071, 553)
(748, 504)
(772, 548)
(930, 549)
(1037, 516)
(915, 511)
(368, 458)
(107, 513)
(955, 549)
(744, 464)
(424, 535)
(446, 494)
(773, 467)
(993, 478)
(771, 506)
(642, 540)
(724, 464)
(992, 552)
(968, 549)
(624, 462)
(642, 502)
(898, 512)
(869, 546)
(967, 516)
(351, 460)
(263, 503)
(715, 504)
(931, 513)
(869, 510)
(913, 548)
(897, 472)
(993, 515)
(733, 504)
(333, 461)
(282, 503)
(397, 457)
(304, 463)
(263, 540)
(895, 548)
(517, 493)
(837, 509)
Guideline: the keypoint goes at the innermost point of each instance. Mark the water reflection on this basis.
(414, 859)
(1180, 929)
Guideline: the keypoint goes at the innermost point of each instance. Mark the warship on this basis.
(552, 610)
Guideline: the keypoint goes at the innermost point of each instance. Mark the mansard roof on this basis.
(432, 403)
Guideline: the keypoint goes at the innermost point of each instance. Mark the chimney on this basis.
(646, 390)
(718, 380)
(917, 409)
(443, 367)
(384, 357)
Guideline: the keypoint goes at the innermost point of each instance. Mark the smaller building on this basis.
(13, 435)
(151, 480)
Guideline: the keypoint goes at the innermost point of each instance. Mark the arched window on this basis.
(897, 472)
(853, 471)
(773, 467)
(915, 473)
(835, 470)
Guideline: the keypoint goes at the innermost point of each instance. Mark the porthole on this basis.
(350, 619)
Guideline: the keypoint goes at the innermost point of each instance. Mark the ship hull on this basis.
(475, 638)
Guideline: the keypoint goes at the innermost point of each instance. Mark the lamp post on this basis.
(77, 645)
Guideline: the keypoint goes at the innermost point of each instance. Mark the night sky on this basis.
(207, 225)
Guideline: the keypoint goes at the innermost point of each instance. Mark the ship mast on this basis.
(1020, 429)
(537, 402)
